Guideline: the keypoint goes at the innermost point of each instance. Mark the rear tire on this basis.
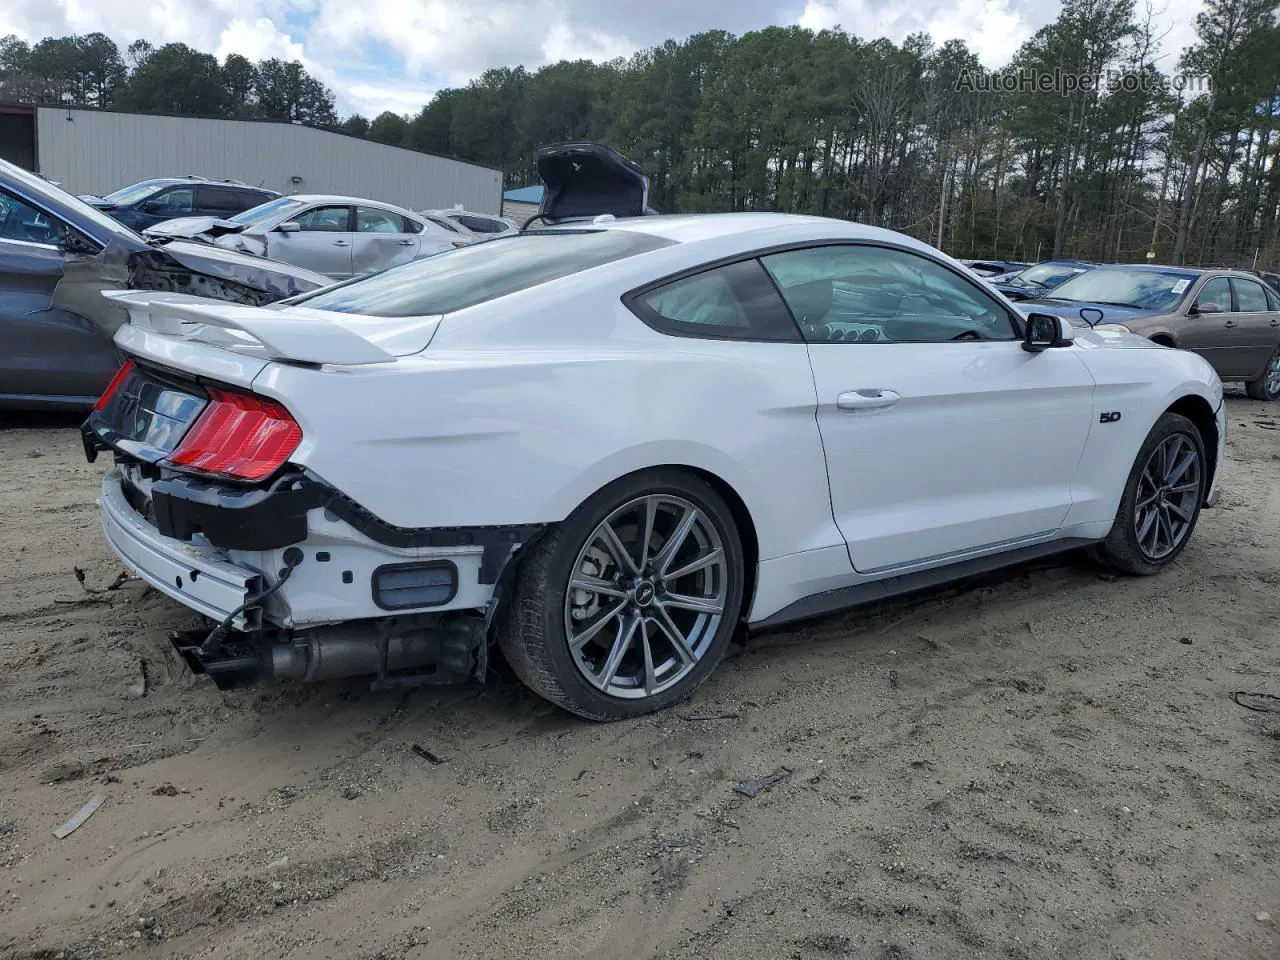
(607, 630)
(1267, 387)
(1161, 501)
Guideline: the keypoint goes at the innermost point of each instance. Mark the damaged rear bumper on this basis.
(196, 576)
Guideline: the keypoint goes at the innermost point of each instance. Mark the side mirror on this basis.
(1207, 307)
(289, 227)
(1043, 330)
(152, 206)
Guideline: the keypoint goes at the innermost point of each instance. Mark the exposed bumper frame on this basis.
(194, 576)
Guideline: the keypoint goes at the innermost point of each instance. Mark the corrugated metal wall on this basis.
(91, 151)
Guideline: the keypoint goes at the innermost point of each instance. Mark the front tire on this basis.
(1161, 501)
(1267, 387)
(628, 605)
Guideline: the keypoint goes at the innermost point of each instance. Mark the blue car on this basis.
(153, 201)
(1038, 280)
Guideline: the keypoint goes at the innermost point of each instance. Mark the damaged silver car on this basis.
(57, 255)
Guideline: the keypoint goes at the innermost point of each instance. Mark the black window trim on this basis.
(632, 299)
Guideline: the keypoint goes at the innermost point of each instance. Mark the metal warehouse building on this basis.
(91, 151)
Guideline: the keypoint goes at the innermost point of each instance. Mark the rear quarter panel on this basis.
(467, 435)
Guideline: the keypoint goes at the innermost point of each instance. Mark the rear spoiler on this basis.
(280, 336)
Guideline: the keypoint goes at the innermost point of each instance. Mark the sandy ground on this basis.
(1043, 763)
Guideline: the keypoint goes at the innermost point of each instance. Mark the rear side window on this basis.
(481, 224)
(734, 302)
(1250, 297)
(481, 272)
(220, 199)
(442, 222)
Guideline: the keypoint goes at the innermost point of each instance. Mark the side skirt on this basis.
(858, 594)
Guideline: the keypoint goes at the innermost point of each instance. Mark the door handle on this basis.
(867, 399)
(404, 243)
(1230, 323)
(341, 243)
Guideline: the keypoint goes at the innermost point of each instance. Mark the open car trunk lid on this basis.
(589, 180)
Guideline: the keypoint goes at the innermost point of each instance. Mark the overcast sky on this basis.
(393, 54)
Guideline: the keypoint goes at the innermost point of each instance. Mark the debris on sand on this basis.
(83, 814)
(428, 756)
(751, 789)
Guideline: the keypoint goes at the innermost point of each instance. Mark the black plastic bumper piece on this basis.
(235, 518)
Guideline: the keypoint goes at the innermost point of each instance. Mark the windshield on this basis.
(1045, 276)
(1140, 289)
(40, 189)
(475, 274)
(265, 211)
(127, 196)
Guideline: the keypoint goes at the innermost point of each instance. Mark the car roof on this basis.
(1158, 268)
(164, 181)
(686, 228)
(336, 198)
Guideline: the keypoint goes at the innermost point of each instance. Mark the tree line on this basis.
(90, 70)
(1169, 152)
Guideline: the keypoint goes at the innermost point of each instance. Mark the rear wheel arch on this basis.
(531, 632)
(733, 499)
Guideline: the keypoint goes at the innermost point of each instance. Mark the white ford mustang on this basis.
(607, 445)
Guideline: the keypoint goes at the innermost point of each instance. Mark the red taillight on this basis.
(239, 435)
(114, 385)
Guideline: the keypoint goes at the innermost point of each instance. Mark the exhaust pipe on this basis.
(442, 653)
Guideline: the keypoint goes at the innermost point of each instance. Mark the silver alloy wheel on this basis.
(1271, 379)
(646, 596)
(1166, 499)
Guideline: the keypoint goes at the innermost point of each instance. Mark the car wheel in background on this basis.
(629, 604)
(1267, 387)
(1161, 501)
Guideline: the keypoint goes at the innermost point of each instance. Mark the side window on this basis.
(373, 220)
(1250, 297)
(442, 222)
(247, 200)
(412, 226)
(220, 200)
(175, 200)
(868, 294)
(1215, 296)
(734, 302)
(324, 219)
(1273, 301)
(481, 224)
(22, 222)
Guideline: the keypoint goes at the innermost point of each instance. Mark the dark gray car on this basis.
(57, 255)
(1229, 317)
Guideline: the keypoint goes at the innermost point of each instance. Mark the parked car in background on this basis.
(57, 255)
(340, 237)
(1038, 280)
(993, 268)
(474, 226)
(153, 201)
(1227, 316)
(463, 423)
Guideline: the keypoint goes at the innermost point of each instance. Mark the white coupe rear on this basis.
(607, 445)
